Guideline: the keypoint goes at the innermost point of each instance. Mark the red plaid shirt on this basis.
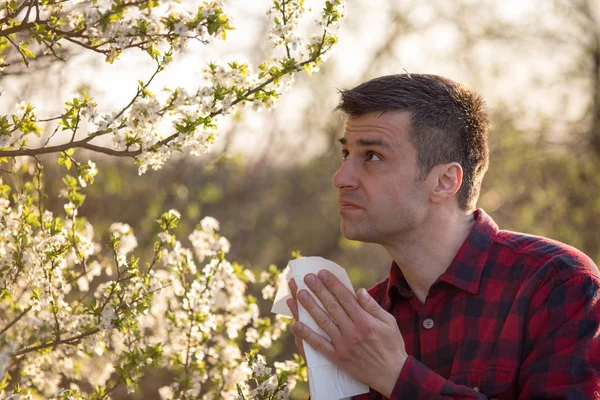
(513, 317)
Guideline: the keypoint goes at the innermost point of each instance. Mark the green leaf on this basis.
(307, 69)
(26, 52)
(65, 160)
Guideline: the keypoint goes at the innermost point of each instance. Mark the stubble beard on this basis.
(360, 231)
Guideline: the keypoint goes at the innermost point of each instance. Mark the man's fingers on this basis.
(300, 347)
(319, 315)
(330, 303)
(293, 305)
(293, 288)
(316, 341)
(343, 296)
(373, 308)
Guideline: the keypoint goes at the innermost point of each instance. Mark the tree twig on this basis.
(19, 50)
(14, 321)
(54, 343)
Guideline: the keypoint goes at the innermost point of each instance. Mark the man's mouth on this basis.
(348, 206)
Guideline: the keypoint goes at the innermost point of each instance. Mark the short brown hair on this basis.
(449, 122)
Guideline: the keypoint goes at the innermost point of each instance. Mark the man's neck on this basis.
(428, 253)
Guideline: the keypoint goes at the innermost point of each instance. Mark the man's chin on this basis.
(358, 232)
(350, 232)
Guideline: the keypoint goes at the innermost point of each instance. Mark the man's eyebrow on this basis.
(367, 142)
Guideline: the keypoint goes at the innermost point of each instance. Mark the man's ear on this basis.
(446, 181)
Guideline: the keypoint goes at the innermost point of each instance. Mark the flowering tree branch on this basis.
(14, 321)
(69, 341)
(85, 143)
(72, 312)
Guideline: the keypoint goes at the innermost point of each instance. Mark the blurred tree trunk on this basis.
(595, 87)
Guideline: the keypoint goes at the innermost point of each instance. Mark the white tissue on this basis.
(325, 380)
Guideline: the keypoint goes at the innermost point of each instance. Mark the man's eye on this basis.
(345, 154)
(371, 156)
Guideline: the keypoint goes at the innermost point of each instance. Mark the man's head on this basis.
(449, 122)
(429, 135)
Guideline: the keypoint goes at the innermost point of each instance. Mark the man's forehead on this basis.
(362, 141)
(391, 126)
(380, 117)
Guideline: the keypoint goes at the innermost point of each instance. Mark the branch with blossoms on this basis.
(187, 311)
(106, 27)
(266, 383)
(191, 328)
(99, 317)
(194, 116)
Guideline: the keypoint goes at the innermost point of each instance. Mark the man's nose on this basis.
(345, 177)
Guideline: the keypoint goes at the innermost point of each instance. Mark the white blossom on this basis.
(121, 260)
(180, 28)
(4, 140)
(166, 393)
(209, 225)
(189, 300)
(175, 214)
(106, 319)
(127, 240)
(21, 108)
(70, 209)
(164, 237)
(268, 292)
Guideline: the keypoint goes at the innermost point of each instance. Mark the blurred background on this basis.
(267, 180)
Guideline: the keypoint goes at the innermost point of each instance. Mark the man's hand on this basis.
(293, 305)
(365, 339)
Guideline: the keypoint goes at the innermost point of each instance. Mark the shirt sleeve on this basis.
(561, 352)
(416, 381)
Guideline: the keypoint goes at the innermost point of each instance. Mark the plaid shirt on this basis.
(513, 317)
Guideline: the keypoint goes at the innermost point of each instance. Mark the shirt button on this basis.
(428, 323)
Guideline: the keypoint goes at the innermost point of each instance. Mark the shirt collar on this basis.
(464, 272)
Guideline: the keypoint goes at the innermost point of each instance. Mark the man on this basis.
(468, 310)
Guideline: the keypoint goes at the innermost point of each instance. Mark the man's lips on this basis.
(348, 205)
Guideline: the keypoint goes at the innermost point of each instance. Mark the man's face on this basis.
(380, 199)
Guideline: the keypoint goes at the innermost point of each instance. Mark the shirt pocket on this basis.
(496, 382)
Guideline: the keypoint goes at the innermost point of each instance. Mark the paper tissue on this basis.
(325, 380)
